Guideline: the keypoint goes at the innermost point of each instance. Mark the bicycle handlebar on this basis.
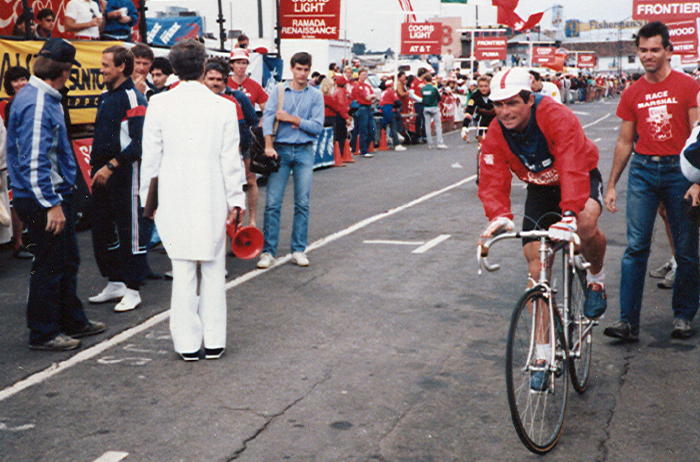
(482, 250)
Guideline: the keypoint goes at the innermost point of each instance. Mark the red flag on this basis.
(508, 4)
(532, 21)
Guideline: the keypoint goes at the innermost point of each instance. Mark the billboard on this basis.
(85, 83)
(168, 31)
(421, 38)
(665, 10)
(586, 60)
(684, 36)
(542, 56)
(489, 48)
(310, 19)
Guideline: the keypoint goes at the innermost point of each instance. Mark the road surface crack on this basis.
(272, 417)
(603, 445)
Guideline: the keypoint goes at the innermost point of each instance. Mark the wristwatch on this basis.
(111, 166)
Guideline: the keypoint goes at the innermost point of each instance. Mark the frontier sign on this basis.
(665, 10)
(310, 19)
(486, 48)
(421, 38)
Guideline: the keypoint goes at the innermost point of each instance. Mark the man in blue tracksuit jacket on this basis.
(43, 172)
(119, 234)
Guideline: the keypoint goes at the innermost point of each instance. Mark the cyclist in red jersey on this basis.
(543, 143)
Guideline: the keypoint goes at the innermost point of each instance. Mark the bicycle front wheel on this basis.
(580, 332)
(537, 412)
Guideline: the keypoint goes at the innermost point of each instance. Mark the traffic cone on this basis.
(370, 146)
(347, 155)
(383, 146)
(356, 152)
(336, 156)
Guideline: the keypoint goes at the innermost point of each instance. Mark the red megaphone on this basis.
(246, 241)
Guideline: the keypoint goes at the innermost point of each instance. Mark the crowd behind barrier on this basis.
(311, 121)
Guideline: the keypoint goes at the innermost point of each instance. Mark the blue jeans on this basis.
(363, 118)
(299, 160)
(651, 182)
(390, 119)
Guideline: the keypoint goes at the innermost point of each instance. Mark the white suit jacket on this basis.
(190, 142)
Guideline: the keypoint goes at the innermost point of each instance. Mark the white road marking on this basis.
(456, 165)
(112, 456)
(121, 337)
(19, 428)
(581, 113)
(432, 243)
(598, 120)
(597, 139)
(388, 242)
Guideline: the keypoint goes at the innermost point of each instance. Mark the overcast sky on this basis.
(375, 21)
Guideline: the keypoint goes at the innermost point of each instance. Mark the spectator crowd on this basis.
(141, 149)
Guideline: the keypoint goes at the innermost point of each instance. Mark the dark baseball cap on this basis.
(59, 50)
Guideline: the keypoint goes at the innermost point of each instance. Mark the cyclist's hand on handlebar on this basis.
(497, 226)
(564, 229)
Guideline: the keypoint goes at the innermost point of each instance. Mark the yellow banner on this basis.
(84, 84)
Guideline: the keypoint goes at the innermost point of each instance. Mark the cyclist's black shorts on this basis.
(542, 203)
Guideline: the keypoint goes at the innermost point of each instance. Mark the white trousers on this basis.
(199, 319)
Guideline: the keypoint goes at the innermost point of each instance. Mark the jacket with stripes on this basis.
(118, 126)
(39, 155)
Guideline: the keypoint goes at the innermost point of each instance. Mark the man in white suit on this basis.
(190, 143)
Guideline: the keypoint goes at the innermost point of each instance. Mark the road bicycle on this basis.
(479, 136)
(544, 322)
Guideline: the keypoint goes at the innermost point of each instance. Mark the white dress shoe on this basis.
(130, 301)
(112, 291)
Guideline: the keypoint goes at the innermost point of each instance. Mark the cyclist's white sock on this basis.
(543, 351)
(596, 278)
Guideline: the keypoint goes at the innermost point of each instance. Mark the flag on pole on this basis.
(507, 16)
(407, 7)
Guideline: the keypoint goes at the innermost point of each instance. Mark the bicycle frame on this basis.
(546, 251)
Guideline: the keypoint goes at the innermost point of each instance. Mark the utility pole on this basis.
(222, 31)
(260, 21)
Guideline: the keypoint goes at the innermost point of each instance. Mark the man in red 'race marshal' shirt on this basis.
(659, 108)
(239, 79)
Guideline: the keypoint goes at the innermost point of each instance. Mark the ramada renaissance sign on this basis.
(310, 19)
(665, 10)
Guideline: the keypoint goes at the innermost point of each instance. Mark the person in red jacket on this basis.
(363, 94)
(543, 143)
(337, 106)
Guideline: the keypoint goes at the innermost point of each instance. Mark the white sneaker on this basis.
(400, 137)
(668, 280)
(112, 291)
(368, 155)
(266, 260)
(130, 301)
(662, 270)
(442, 146)
(299, 258)
(400, 148)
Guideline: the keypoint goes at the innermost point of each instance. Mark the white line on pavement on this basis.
(127, 334)
(597, 139)
(598, 120)
(112, 456)
(379, 241)
(581, 113)
(432, 243)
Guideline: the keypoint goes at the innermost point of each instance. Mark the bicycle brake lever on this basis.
(484, 264)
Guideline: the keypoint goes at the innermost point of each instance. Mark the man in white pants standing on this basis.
(190, 144)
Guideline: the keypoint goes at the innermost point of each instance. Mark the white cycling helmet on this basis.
(509, 82)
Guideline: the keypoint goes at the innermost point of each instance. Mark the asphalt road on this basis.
(376, 352)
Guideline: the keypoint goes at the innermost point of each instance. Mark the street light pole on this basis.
(222, 32)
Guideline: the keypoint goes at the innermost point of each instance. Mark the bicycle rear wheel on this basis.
(580, 333)
(538, 416)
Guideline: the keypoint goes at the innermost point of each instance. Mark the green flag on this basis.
(454, 1)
